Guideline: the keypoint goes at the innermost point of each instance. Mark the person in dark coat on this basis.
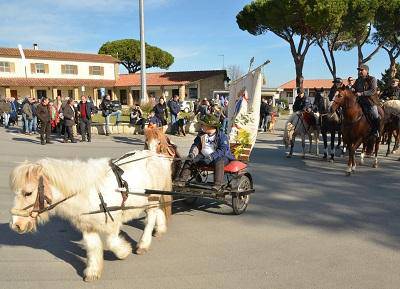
(85, 111)
(160, 110)
(43, 114)
(174, 108)
(69, 120)
(366, 88)
(337, 83)
(301, 102)
(266, 110)
(210, 147)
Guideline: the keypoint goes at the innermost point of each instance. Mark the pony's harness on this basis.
(39, 204)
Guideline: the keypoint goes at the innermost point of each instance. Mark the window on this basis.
(96, 70)
(41, 93)
(123, 97)
(193, 92)
(69, 69)
(40, 68)
(70, 94)
(5, 66)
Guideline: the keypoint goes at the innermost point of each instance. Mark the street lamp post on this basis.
(143, 97)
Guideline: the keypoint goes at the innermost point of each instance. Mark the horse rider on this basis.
(365, 88)
(210, 148)
(302, 102)
(393, 92)
(350, 83)
(337, 83)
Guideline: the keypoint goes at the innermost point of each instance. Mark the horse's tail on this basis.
(166, 206)
(289, 130)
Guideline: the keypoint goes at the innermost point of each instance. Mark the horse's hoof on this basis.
(141, 251)
(331, 161)
(387, 154)
(288, 156)
(375, 166)
(91, 276)
(158, 234)
(348, 174)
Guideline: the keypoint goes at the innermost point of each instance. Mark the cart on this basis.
(236, 190)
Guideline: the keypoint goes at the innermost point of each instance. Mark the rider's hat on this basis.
(395, 80)
(337, 80)
(210, 120)
(363, 66)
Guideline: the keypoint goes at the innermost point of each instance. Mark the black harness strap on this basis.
(118, 172)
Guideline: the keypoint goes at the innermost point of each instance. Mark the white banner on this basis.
(244, 111)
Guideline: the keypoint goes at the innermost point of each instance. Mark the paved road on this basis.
(308, 226)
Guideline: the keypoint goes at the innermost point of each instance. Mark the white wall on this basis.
(55, 69)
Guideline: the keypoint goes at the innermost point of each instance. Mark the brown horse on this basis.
(157, 141)
(356, 128)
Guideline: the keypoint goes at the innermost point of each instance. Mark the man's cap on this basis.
(363, 66)
(337, 80)
(210, 120)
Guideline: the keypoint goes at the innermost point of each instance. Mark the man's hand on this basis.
(191, 156)
(358, 94)
(198, 158)
(208, 160)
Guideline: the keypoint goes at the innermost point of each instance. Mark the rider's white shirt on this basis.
(209, 145)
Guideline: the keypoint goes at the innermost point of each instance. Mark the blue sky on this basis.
(195, 32)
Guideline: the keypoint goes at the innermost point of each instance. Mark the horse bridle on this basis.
(39, 204)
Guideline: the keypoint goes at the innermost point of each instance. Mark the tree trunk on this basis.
(299, 63)
(360, 55)
(393, 69)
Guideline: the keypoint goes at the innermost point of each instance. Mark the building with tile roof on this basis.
(72, 74)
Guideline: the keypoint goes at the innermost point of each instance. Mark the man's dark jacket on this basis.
(43, 113)
(89, 109)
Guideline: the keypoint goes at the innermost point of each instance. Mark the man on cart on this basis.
(210, 148)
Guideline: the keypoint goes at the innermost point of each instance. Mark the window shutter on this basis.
(46, 68)
(101, 70)
(76, 69)
(12, 67)
(33, 68)
(90, 70)
(63, 69)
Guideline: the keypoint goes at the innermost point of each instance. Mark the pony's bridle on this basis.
(39, 204)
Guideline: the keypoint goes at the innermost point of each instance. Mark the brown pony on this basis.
(356, 129)
(157, 141)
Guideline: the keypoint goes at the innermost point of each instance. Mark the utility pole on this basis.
(143, 97)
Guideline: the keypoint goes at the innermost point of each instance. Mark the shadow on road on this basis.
(127, 140)
(60, 239)
(316, 193)
(23, 139)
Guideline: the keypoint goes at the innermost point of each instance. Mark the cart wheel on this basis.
(239, 203)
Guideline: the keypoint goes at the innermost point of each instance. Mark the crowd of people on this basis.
(172, 113)
(66, 117)
(45, 116)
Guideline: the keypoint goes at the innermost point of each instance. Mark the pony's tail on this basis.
(166, 206)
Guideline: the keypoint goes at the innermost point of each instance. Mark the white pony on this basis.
(79, 184)
(296, 125)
